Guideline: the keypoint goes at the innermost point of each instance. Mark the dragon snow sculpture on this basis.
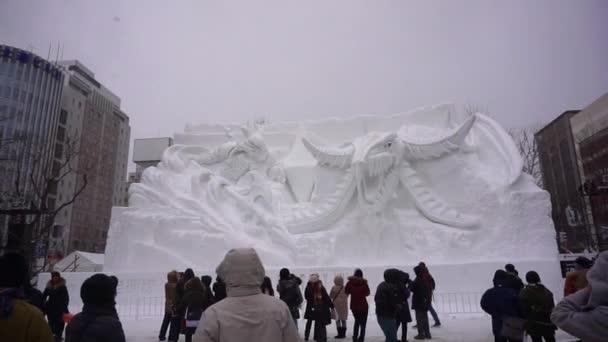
(306, 193)
(384, 158)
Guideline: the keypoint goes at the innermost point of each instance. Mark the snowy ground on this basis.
(474, 328)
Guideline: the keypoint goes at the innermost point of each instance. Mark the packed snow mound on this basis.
(430, 184)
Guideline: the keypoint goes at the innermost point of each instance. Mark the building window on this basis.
(63, 117)
(58, 151)
(60, 133)
(23, 96)
(19, 71)
(15, 94)
(57, 231)
(7, 92)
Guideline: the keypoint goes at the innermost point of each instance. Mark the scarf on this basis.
(7, 300)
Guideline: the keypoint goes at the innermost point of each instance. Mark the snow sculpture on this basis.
(370, 190)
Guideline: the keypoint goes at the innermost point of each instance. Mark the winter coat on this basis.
(429, 281)
(358, 290)
(246, 314)
(575, 280)
(499, 302)
(195, 300)
(320, 311)
(34, 297)
(21, 321)
(181, 284)
(387, 298)
(56, 298)
(536, 304)
(403, 294)
(94, 324)
(584, 314)
(219, 289)
(171, 292)
(289, 292)
(421, 294)
(514, 282)
(339, 297)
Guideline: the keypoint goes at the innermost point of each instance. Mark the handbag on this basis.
(334, 314)
(513, 328)
(191, 319)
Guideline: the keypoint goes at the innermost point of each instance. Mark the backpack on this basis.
(292, 296)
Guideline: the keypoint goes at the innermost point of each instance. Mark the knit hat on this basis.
(532, 277)
(99, 290)
(284, 273)
(314, 278)
(583, 262)
(500, 277)
(597, 277)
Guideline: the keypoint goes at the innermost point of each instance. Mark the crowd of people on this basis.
(242, 305)
(186, 301)
(519, 310)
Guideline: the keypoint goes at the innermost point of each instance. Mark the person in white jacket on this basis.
(584, 314)
(246, 314)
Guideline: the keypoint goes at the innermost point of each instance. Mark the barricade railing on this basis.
(135, 308)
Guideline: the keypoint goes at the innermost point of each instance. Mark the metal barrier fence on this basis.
(135, 308)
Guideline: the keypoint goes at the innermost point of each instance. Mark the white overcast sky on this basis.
(195, 61)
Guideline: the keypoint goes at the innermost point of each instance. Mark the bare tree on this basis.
(527, 147)
(42, 177)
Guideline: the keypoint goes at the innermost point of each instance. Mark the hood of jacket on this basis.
(98, 290)
(339, 280)
(357, 280)
(285, 284)
(60, 283)
(194, 284)
(172, 277)
(242, 272)
(597, 277)
(7, 297)
(392, 275)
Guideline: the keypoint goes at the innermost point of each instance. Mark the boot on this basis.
(339, 336)
(341, 333)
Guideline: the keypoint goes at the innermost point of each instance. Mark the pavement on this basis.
(454, 329)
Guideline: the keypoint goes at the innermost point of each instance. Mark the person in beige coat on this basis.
(584, 314)
(246, 314)
(340, 300)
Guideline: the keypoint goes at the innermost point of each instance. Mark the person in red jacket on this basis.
(577, 279)
(430, 283)
(358, 290)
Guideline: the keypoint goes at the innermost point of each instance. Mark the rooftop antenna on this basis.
(57, 54)
(62, 48)
(48, 55)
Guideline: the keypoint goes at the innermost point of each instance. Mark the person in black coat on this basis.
(207, 280)
(421, 294)
(404, 315)
(513, 280)
(192, 305)
(318, 309)
(289, 292)
(500, 302)
(98, 320)
(56, 300)
(388, 304)
(219, 289)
